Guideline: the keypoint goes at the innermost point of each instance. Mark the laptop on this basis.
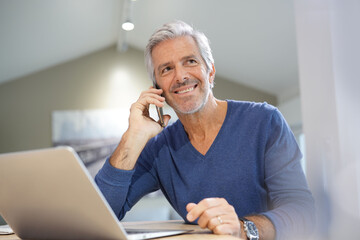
(48, 194)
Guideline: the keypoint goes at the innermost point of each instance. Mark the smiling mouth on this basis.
(186, 90)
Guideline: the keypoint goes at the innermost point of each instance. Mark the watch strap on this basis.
(244, 219)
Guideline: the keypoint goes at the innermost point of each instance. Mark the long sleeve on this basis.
(114, 184)
(123, 189)
(292, 205)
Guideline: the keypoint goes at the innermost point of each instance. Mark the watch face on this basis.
(252, 229)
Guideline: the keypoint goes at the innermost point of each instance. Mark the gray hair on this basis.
(173, 30)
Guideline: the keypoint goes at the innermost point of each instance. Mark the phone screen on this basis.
(159, 111)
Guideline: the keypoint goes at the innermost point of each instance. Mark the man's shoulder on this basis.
(174, 127)
(161, 140)
(169, 132)
(251, 107)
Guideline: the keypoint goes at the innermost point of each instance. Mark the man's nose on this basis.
(181, 75)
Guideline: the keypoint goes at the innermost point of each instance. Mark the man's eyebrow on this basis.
(182, 59)
(189, 56)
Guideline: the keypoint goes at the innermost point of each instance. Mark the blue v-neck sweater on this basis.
(254, 163)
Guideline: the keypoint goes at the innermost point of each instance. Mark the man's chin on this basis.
(189, 107)
(188, 110)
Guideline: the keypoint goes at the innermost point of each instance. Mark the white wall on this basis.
(38, 34)
(328, 37)
(291, 110)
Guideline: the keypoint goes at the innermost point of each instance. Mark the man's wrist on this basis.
(242, 231)
(249, 228)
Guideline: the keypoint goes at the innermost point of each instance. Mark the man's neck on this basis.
(207, 121)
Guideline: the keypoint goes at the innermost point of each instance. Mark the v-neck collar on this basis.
(213, 144)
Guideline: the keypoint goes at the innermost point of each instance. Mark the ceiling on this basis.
(253, 41)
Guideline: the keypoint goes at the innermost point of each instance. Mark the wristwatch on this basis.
(250, 229)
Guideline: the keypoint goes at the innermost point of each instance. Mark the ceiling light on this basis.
(127, 26)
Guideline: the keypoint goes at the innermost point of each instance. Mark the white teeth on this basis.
(186, 90)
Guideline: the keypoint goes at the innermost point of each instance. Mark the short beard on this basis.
(177, 110)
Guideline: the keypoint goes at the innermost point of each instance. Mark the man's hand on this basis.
(215, 214)
(141, 128)
(140, 120)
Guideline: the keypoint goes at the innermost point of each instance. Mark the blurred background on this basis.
(69, 73)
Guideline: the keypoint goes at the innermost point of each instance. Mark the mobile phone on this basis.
(159, 110)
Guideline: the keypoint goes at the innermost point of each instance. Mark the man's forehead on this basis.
(180, 46)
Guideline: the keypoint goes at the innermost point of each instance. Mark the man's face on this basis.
(181, 72)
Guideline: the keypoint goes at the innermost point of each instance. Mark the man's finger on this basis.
(190, 206)
(203, 205)
(166, 119)
(212, 217)
(223, 229)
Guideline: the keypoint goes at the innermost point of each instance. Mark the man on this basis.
(220, 162)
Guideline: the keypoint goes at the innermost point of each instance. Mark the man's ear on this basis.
(212, 74)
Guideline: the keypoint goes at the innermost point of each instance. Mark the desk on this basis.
(198, 233)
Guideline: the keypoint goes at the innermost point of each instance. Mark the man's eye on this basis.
(192, 61)
(165, 70)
